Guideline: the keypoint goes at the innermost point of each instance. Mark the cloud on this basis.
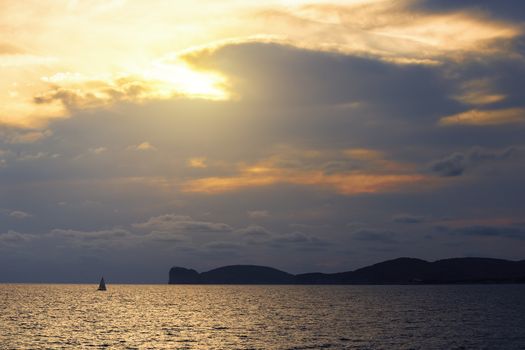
(375, 235)
(513, 232)
(306, 169)
(258, 214)
(507, 10)
(64, 93)
(457, 163)
(97, 150)
(5, 154)
(18, 214)
(479, 92)
(161, 80)
(309, 226)
(298, 239)
(477, 117)
(223, 246)
(345, 184)
(11, 135)
(11, 238)
(131, 71)
(181, 224)
(326, 78)
(144, 146)
(163, 236)
(364, 154)
(35, 156)
(396, 31)
(408, 219)
(254, 231)
(197, 162)
(77, 92)
(102, 235)
(452, 165)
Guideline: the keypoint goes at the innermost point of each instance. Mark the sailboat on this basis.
(102, 285)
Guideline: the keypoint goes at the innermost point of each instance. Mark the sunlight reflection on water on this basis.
(262, 317)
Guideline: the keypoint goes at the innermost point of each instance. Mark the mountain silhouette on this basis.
(236, 274)
(397, 271)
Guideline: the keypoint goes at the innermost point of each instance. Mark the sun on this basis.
(178, 78)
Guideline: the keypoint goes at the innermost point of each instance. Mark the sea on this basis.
(61, 316)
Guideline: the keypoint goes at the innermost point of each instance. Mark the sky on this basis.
(305, 135)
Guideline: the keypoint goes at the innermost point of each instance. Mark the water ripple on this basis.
(262, 317)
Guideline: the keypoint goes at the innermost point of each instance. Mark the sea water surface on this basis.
(262, 317)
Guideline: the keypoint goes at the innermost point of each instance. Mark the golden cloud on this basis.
(477, 117)
(197, 162)
(145, 146)
(296, 168)
(163, 81)
(479, 92)
(346, 184)
(391, 30)
(83, 58)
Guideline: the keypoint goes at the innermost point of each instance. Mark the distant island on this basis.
(397, 271)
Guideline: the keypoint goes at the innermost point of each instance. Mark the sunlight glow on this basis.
(179, 78)
(129, 56)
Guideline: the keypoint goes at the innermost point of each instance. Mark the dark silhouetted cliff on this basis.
(397, 271)
(180, 275)
(237, 274)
